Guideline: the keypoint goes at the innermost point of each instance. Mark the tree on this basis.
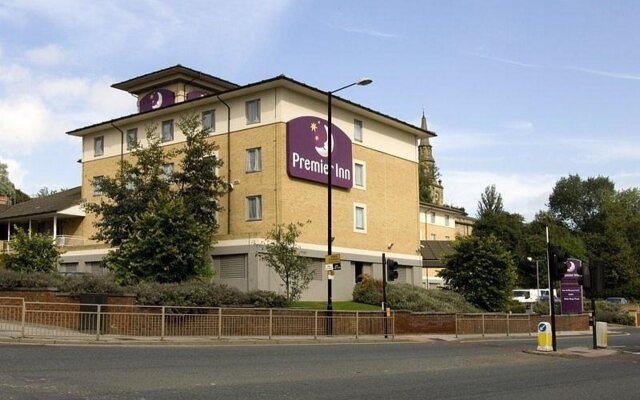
(282, 254)
(7, 188)
(161, 225)
(199, 183)
(154, 252)
(37, 253)
(490, 201)
(45, 191)
(482, 270)
(578, 204)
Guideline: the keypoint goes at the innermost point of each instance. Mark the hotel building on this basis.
(271, 136)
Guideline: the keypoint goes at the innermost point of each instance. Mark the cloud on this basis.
(518, 125)
(608, 74)
(525, 194)
(50, 55)
(370, 32)
(17, 174)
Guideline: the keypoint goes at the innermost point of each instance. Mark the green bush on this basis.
(266, 299)
(89, 283)
(17, 279)
(403, 296)
(186, 294)
(32, 253)
(612, 314)
(517, 307)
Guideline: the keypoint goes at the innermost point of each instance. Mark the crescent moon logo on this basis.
(158, 102)
(323, 151)
(572, 267)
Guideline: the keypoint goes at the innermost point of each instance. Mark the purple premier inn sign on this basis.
(307, 152)
(570, 289)
(157, 99)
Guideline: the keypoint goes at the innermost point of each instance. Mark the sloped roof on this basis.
(43, 205)
(433, 252)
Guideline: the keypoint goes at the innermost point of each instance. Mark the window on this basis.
(433, 217)
(359, 175)
(360, 218)
(97, 185)
(167, 130)
(253, 111)
(446, 220)
(447, 238)
(132, 138)
(69, 267)
(254, 160)
(213, 159)
(98, 146)
(167, 171)
(209, 121)
(357, 130)
(233, 267)
(433, 236)
(254, 208)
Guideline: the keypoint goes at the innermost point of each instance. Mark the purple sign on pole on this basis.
(570, 289)
(307, 152)
(157, 99)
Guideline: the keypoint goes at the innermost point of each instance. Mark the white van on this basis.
(525, 295)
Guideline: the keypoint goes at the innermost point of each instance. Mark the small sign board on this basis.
(330, 275)
(332, 259)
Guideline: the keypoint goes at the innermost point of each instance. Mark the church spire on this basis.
(423, 123)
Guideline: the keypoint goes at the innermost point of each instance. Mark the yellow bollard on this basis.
(545, 342)
(602, 336)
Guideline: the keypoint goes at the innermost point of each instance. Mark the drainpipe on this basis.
(228, 164)
(121, 144)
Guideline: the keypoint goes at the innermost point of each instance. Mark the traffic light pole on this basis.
(384, 294)
(551, 297)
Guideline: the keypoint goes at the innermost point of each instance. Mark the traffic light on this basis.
(392, 270)
(557, 262)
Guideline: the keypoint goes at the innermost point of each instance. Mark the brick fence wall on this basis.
(121, 317)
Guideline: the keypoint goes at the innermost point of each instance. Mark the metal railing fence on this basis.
(95, 321)
(493, 323)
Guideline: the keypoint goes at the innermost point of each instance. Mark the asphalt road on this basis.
(435, 370)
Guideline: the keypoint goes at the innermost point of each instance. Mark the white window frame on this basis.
(364, 174)
(253, 168)
(358, 130)
(357, 206)
(133, 131)
(447, 220)
(169, 123)
(212, 128)
(98, 152)
(247, 106)
(433, 236)
(432, 217)
(258, 216)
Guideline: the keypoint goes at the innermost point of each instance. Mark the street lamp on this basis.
(538, 278)
(361, 82)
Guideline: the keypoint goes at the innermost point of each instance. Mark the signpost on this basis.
(570, 289)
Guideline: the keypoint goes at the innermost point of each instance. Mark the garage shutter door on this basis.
(402, 274)
(233, 267)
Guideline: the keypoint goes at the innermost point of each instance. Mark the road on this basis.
(434, 370)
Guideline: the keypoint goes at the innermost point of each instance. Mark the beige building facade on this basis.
(251, 128)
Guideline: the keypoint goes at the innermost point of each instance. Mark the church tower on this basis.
(428, 172)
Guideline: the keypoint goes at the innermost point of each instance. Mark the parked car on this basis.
(617, 300)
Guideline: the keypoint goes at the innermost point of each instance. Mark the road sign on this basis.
(332, 259)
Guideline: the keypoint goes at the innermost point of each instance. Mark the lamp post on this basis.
(361, 82)
(537, 272)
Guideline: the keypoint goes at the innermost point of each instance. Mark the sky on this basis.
(520, 93)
